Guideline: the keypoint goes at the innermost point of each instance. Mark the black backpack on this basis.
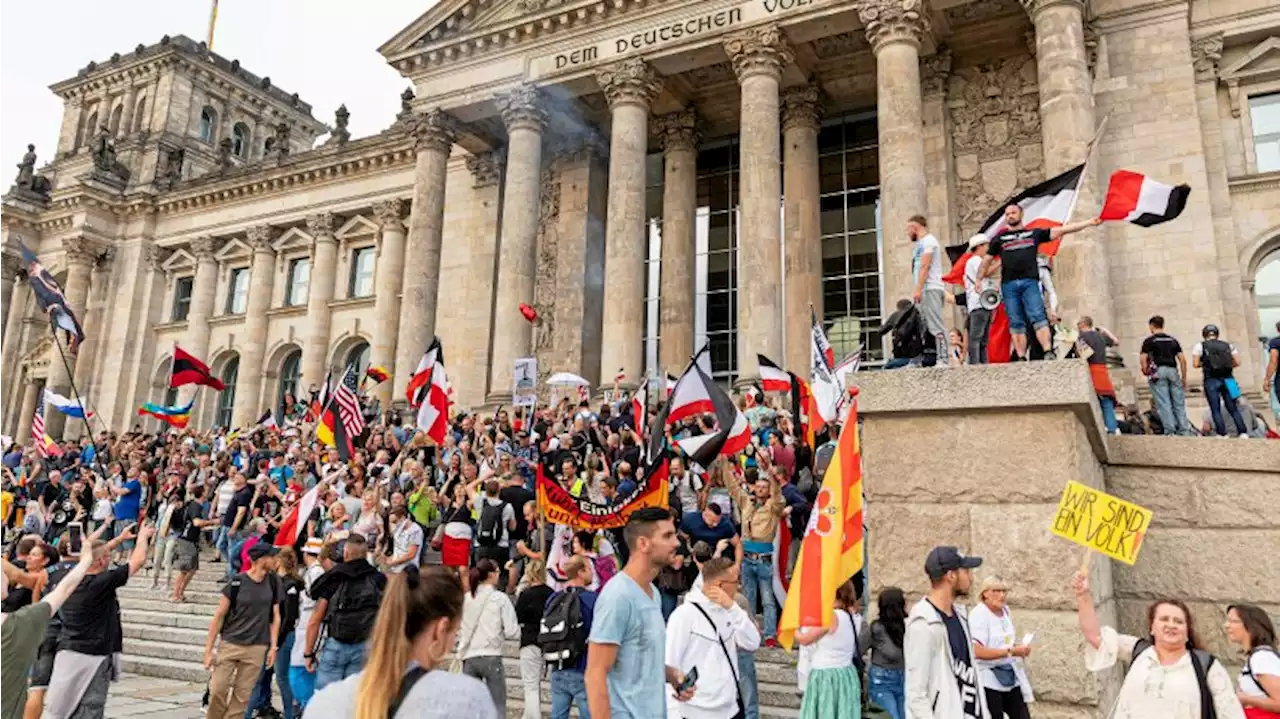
(1201, 661)
(353, 610)
(233, 592)
(562, 634)
(1217, 359)
(490, 531)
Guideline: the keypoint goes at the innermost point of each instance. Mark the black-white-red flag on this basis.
(1136, 198)
(696, 393)
(1045, 205)
(428, 392)
(772, 377)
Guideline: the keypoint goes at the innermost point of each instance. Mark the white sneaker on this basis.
(1244, 436)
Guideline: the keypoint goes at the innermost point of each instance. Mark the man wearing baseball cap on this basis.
(974, 285)
(248, 622)
(941, 680)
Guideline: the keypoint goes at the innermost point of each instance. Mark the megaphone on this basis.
(989, 299)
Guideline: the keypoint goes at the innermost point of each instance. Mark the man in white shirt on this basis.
(974, 286)
(706, 632)
(406, 541)
(926, 268)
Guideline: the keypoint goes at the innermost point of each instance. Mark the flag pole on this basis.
(1090, 150)
(213, 21)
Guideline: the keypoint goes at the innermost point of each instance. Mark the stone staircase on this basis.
(166, 640)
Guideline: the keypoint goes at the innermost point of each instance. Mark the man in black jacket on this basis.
(347, 599)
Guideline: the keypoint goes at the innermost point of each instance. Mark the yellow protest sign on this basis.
(1101, 522)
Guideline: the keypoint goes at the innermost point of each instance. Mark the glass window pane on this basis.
(712, 160)
(653, 170)
(719, 271)
(862, 168)
(720, 312)
(722, 350)
(835, 298)
(831, 173)
(719, 235)
(718, 197)
(862, 252)
(1268, 155)
(653, 202)
(864, 295)
(832, 219)
(1264, 113)
(833, 256)
(862, 214)
(831, 137)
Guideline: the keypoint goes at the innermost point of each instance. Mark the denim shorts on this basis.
(1024, 305)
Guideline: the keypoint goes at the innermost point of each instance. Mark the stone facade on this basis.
(212, 213)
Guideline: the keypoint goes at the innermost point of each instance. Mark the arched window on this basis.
(227, 397)
(208, 124)
(358, 356)
(140, 115)
(240, 140)
(1267, 289)
(267, 144)
(87, 132)
(290, 378)
(116, 114)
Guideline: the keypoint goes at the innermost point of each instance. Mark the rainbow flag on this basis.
(831, 551)
(177, 417)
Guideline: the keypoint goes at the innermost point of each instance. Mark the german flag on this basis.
(189, 370)
(377, 374)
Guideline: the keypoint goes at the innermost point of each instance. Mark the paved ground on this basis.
(138, 696)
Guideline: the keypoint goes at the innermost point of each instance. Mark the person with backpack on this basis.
(497, 519)
(529, 608)
(1170, 674)
(562, 637)
(1218, 360)
(248, 622)
(488, 619)
(347, 599)
(1250, 628)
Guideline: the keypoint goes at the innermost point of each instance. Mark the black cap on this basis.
(944, 559)
(1209, 331)
(260, 550)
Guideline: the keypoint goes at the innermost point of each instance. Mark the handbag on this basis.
(1005, 675)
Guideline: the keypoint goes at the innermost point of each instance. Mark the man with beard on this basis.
(941, 680)
(626, 653)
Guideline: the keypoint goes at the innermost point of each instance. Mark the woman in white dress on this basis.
(1162, 681)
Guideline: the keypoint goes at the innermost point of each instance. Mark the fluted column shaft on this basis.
(435, 132)
(803, 236)
(80, 256)
(758, 57)
(249, 405)
(679, 206)
(895, 30)
(389, 279)
(630, 86)
(203, 289)
(1066, 126)
(512, 335)
(86, 353)
(324, 268)
(30, 394)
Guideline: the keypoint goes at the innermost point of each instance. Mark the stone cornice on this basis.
(1254, 183)
(629, 82)
(757, 51)
(890, 21)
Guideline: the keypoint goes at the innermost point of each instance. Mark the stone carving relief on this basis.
(708, 75)
(935, 71)
(758, 50)
(1206, 53)
(996, 135)
(978, 11)
(629, 81)
(486, 168)
(544, 293)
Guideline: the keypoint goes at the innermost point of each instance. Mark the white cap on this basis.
(978, 239)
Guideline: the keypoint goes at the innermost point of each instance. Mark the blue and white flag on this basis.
(69, 407)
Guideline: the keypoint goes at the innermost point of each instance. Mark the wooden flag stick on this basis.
(1084, 561)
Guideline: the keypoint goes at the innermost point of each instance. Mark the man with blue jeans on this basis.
(568, 685)
(761, 509)
(1165, 366)
(347, 596)
(127, 506)
(233, 521)
(1097, 340)
(1218, 360)
(1016, 248)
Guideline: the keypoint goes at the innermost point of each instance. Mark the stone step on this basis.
(133, 615)
(774, 698)
(157, 603)
(188, 653)
(129, 594)
(164, 668)
(515, 709)
(175, 636)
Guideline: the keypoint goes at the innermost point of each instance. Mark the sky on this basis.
(324, 50)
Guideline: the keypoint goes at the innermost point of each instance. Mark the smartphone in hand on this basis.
(690, 680)
(75, 534)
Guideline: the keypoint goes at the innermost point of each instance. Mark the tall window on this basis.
(358, 356)
(716, 260)
(208, 124)
(238, 291)
(182, 298)
(116, 114)
(240, 140)
(1264, 113)
(653, 265)
(299, 282)
(140, 116)
(290, 377)
(848, 168)
(227, 397)
(361, 284)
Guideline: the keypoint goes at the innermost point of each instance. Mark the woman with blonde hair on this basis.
(530, 606)
(997, 649)
(416, 627)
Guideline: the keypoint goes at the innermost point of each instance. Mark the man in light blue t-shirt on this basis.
(627, 647)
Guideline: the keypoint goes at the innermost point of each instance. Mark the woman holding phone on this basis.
(997, 649)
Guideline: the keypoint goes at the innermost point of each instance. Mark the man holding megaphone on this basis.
(982, 298)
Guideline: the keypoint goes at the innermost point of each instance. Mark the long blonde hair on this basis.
(410, 604)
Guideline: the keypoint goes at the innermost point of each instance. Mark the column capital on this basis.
(202, 248)
(758, 51)
(1035, 6)
(1206, 53)
(522, 107)
(891, 21)
(153, 257)
(486, 168)
(678, 130)
(629, 82)
(321, 226)
(434, 130)
(81, 251)
(389, 214)
(935, 71)
(259, 237)
(9, 265)
(800, 107)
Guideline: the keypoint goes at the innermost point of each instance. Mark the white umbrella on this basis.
(566, 379)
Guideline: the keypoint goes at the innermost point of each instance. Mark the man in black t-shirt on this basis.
(513, 492)
(189, 521)
(1016, 248)
(248, 622)
(236, 517)
(1165, 365)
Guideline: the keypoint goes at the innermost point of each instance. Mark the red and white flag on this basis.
(297, 518)
(696, 393)
(429, 393)
(772, 377)
(1044, 206)
(639, 408)
(1136, 198)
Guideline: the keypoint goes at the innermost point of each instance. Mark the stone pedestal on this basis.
(513, 335)
(679, 134)
(80, 257)
(386, 300)
(803, 233)
(249, 402)
(324, 268)
(759, 56)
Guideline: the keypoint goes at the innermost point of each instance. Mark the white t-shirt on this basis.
(687, 488)
(972, 287)
(1260, 663)
(991, 632)
(928, 243)
(835, 649)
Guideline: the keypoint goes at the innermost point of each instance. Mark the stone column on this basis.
(389, 277)
(630, 87)
(435, 132)
(759, 56)
(86, 354)
(802, 246)
(1066, 127)
(8, 274)
(525, 119)
(895, 30)
(15, 309)
(80, 256)
(253, 348)
(324, 268)
(679, 133)
(126, 116)
(30, 394)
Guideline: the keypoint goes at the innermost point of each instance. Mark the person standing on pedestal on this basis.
(926, 268)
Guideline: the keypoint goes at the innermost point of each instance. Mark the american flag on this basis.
(348, 401)
(37, 431)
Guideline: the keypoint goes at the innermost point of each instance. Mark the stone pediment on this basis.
(179, 261)
(293, 238)
(357, 226)
(233, 250)
(1260, 63)
(40, 354)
